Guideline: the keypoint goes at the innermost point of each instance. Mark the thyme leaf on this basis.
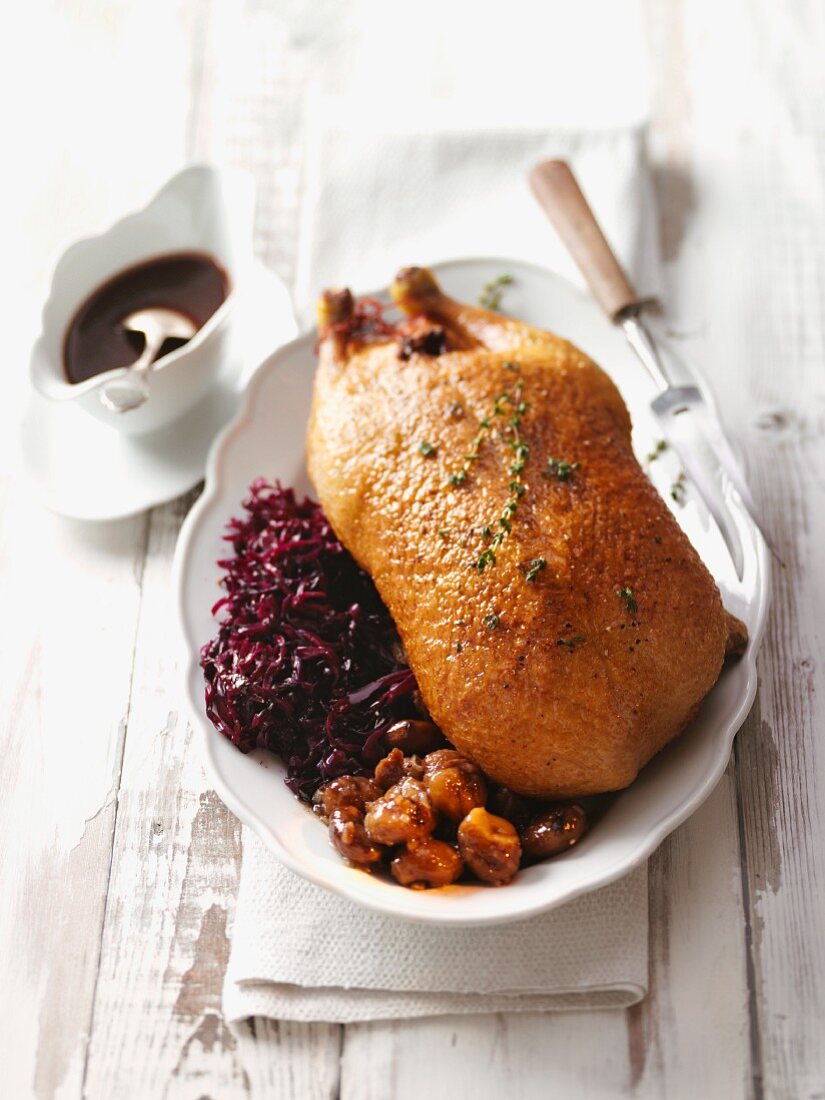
(677, 489)
(626, 594)
(532, 570)
(487, 557)
(490, 297)
(559, 469)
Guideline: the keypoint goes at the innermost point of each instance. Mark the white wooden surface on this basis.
(118, 866)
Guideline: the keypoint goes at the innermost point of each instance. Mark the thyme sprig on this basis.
(677, 489)
(490, 297)
(503, 422)
(472, 455)
(559, 469)
(533, 568)
(510, 405)
(488, 423)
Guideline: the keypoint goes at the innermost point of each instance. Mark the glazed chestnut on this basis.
(414, 767)
(442, 758)
(395, 766)
(390, 770)
(456, 790)
(401, 815)
(348, 836)
(512, 806)
(414, 737)
(489, 846)
(427, 862)
(349, 790)
(553, 830)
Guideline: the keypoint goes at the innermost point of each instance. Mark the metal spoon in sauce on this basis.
(155, 325)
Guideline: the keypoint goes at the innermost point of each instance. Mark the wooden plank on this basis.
(174, 877)
(693, 1027)
(749, 274)
(696, 1019)
(71, 592)
(64, 697)
(174, 863)
(177, 849)
(487, 1057)
(168, 916)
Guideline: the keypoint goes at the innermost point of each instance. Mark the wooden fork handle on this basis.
(562, 200)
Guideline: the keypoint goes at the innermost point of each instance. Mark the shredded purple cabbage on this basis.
(305, 662)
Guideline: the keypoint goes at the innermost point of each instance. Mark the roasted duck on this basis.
(560, 625)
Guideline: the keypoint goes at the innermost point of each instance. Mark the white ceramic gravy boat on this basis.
(201, 209)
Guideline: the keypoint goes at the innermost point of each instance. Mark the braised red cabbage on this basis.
(306, 660)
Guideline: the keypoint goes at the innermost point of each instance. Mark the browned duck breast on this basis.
(561, 627)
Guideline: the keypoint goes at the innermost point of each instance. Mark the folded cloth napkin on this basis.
(302, 953)
(377, 200)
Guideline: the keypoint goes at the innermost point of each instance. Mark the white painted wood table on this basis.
(119, 866)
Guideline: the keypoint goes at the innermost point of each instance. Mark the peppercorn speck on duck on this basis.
(560, 625)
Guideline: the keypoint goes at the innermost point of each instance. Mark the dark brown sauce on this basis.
(190, 282)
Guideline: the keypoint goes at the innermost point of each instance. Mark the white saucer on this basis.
(83, 469)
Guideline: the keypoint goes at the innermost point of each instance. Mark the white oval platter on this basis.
(267, 439)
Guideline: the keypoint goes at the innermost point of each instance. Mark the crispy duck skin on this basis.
(560, 679)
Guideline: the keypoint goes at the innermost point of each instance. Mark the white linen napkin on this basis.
(302, 953)
(377, 200)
